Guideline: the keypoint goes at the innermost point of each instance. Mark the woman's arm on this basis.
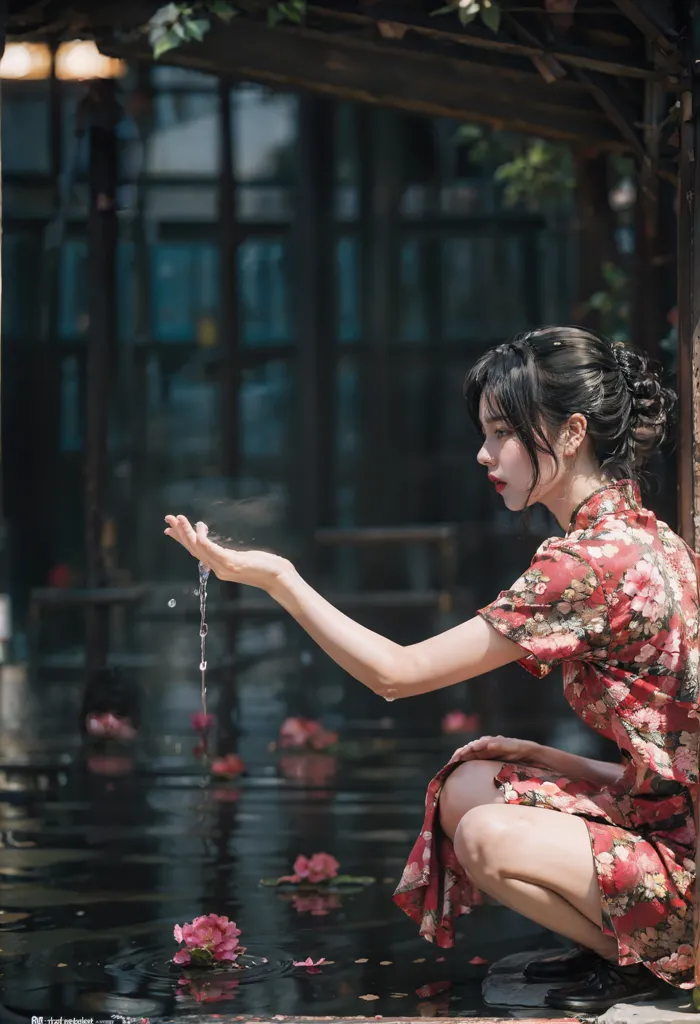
(601, 773)
(387, 668)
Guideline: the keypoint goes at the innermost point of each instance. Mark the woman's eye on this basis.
(502, 433)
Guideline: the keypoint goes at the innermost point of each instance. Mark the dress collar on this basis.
(614, 497)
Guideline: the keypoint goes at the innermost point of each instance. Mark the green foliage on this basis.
(467, 11)
(177, 23)
(613, 303)
(533, 171)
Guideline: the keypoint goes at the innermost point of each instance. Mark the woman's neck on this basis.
(562, 499)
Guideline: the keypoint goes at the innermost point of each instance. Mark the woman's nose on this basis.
(483, 457)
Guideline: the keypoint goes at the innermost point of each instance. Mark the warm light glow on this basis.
(82, 60)
(24, 61)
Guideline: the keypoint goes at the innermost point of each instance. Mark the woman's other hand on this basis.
(255, 568)
(498, 748)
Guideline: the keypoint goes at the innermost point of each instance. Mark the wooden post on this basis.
(100, 112)
(229, 345)
(315, 305)
(4, 566)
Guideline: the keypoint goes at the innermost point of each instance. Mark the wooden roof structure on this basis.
(615, 75)
(581, 76)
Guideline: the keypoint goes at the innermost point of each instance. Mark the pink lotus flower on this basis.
(320, 867)
(311, 967)
(201, 722)
(106, 725)
(306, 732)
(206, 939)
(457, 721)
(229, 765)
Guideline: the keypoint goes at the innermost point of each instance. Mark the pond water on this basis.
(106, 845)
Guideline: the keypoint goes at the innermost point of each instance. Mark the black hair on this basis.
(539, 379)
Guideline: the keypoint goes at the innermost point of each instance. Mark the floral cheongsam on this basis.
(615, 602)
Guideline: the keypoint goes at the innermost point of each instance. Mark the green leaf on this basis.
(352, 880)
(491, 16)
(274, 16)
(198, 28)
(466, 16)
(221, 9)
(164, 41)
(445, 10)
(201, 957)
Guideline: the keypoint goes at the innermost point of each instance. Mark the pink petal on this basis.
(225, 954)
(182, 957)
(177, 932)
(478, 960)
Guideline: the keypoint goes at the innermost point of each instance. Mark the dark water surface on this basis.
(106, 847)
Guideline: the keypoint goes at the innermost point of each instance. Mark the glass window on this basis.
(25, 129)
(185, 139)
(264, 292)
(71, 432)
(468, 287)
(266, 411)
(413, 312)
(348, 275)
(22, 269)
(347, 440)
(73, 306)
(265, 134)
(164, 76)
(185, 289)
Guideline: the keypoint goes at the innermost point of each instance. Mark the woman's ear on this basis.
(575, 433)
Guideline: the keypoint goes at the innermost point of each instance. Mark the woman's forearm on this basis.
(371, 658)
(391, 670)
(602, 773)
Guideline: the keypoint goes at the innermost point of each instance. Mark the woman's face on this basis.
(508, 464)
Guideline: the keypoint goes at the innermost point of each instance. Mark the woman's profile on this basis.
(600, 853)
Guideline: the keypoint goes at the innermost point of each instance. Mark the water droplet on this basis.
(172, 602)
(202, 666)
(390, 698)
(196, 593)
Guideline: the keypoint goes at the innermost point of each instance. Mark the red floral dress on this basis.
(615, 602)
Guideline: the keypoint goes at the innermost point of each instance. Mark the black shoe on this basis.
(571, 965)
(606, 985)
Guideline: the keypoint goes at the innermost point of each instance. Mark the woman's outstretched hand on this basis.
(498, 748)
(255, 568)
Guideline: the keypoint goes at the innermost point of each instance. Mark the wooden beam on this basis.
(607, 96)
(654, 20)
(362, 72)
(477, 38)
(613, 103)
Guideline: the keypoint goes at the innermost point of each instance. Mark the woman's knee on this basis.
(481, 840)
(470, 785)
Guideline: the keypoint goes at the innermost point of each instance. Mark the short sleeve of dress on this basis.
(556, 611)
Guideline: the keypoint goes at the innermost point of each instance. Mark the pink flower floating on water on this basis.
(107, 726)
(230, 765)
(306, 732)
(309, 768)
(320, 867)
(207, 938)
(210, 990)
(201, 722)
(457, 721)
(311, 967)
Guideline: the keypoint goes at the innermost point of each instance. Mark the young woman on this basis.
(567, 419)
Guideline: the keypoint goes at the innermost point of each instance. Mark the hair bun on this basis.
(652, 403)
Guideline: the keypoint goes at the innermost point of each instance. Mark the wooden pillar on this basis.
(380, 196)
(4, 553)
(229, 343)
(228, 287)
(595, 227)
(101, 113)
(316, 306)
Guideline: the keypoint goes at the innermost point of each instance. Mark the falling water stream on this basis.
(203, 630)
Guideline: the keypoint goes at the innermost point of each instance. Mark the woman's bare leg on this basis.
(535, 861)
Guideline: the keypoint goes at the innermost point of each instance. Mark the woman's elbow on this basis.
(400, 677)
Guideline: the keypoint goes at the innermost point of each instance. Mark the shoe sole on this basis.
(605, 1004)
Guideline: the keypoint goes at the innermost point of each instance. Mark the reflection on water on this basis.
(105, 845)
